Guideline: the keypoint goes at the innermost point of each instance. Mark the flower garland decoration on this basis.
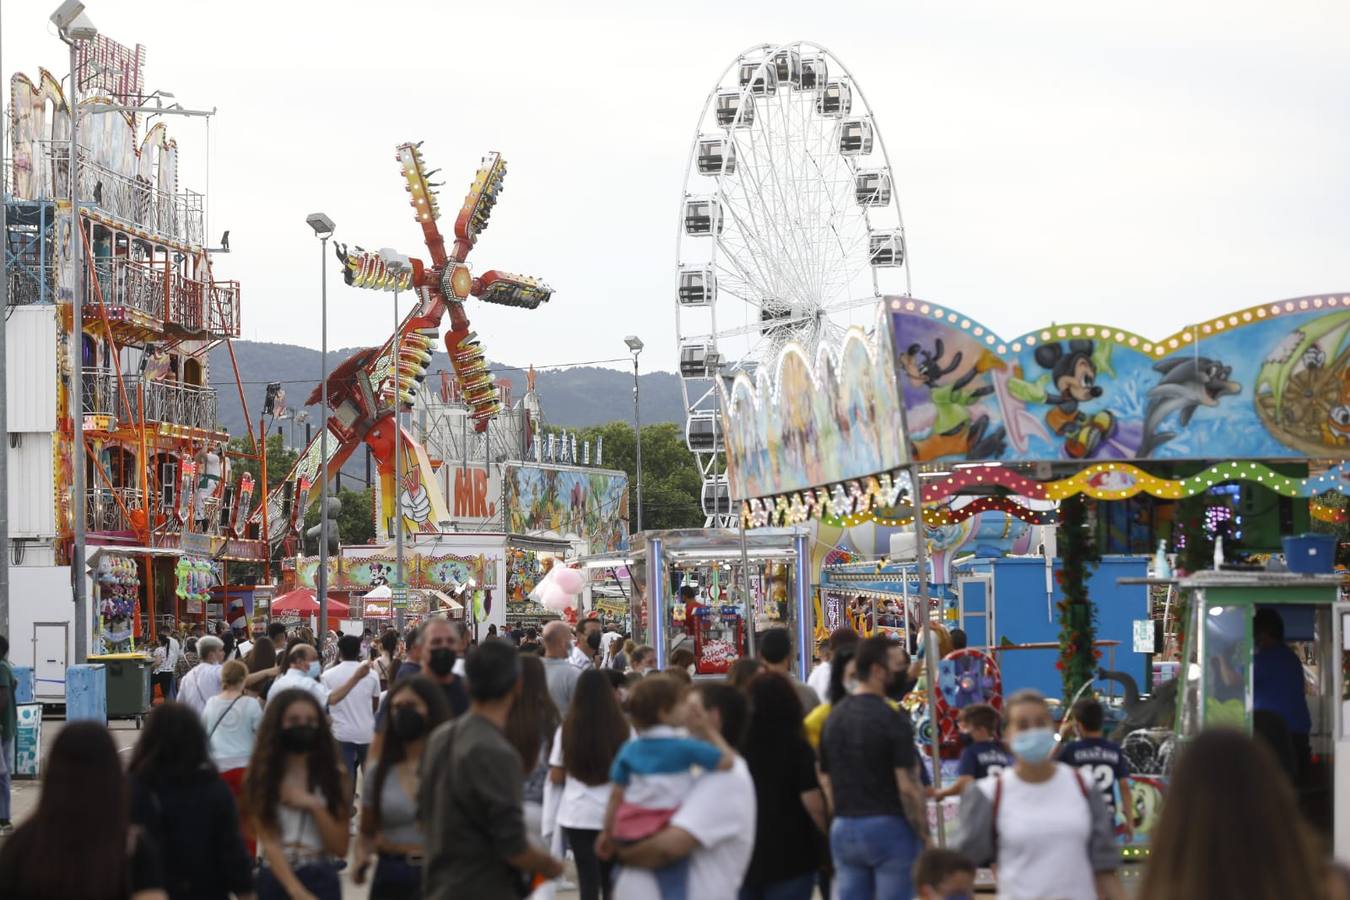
(1077, 616)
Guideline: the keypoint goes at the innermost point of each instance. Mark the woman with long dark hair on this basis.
(261, 659)
(791, 820)
(1231, 827)
(178, 797)
(79, 845)
(583, 750)
(295, 796)
(387, 661)
(162, 677)
(530, 728)
(389, 829)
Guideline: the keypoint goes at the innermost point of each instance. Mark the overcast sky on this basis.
(1144, 165)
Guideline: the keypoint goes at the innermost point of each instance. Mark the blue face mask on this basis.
(1034, 745)
(314, 669)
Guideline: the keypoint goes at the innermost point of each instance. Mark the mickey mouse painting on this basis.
(1071, 383)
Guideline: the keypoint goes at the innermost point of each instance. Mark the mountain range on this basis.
(571, 398)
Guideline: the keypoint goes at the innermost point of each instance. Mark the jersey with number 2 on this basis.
(983, 758)
(1100, 762)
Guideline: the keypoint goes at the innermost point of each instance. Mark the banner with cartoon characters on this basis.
(1268, 382)
(365, 573)
(806, 422)
(586, 504)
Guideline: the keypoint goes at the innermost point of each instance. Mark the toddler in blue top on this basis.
(654, 771)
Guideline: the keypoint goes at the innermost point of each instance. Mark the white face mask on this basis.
(850, 685)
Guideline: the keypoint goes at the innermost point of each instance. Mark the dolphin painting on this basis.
(1187, 384)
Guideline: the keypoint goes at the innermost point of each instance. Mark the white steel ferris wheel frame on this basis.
(807, 264)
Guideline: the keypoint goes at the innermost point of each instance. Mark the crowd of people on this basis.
(436, 766)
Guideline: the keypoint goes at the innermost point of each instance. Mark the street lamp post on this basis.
(635, 345)
(397, 265)
(73, 25)
(323, 230)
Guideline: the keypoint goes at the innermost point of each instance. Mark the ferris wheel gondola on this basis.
(790, 229)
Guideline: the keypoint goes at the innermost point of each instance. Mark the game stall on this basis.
(741, 587)
(1218, 681)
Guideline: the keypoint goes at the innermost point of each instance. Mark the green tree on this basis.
(671, 484)
(279, 460)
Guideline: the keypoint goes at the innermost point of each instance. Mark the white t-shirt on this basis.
(232, 725)
(293, 679)
(353, 716)
(1043, 834)
(579, 658)
(582, 805)
(819, 680)
(200, 685)
(719, 813)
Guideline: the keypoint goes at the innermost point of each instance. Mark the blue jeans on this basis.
(6, 776)
(873, 857)
(353, 755)
(801, 887)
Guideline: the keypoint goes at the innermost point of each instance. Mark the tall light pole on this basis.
(4, 383)
(397, 265)
(635, 346)
(323, 230)
(73, 25)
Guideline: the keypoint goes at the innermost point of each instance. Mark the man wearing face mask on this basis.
(438, 645)
(441, 649)
(303, 671)
(869, 770)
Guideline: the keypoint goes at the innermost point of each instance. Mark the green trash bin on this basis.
(129, 691)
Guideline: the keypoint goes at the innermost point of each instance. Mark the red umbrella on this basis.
(302, 601)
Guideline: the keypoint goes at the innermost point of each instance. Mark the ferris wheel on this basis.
(790, 230)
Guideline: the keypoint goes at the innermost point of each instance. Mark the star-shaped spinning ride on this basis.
(364, 391)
